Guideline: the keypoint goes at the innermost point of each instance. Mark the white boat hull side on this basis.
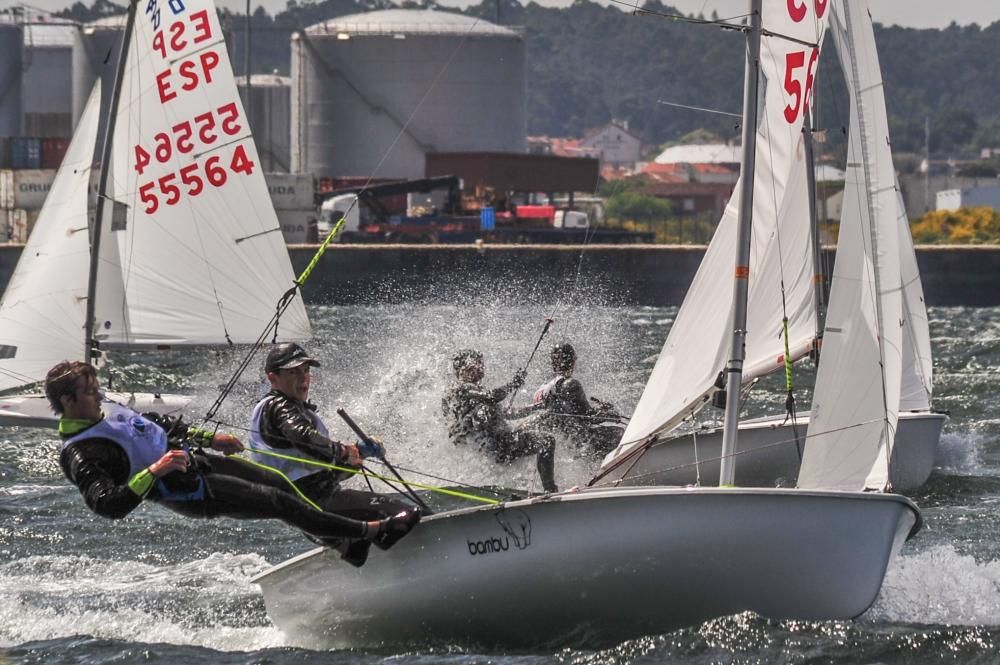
(768, 455)
(34, 410)
(596, 567)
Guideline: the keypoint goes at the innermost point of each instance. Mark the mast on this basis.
(818, 295)
(90, 344)
(734, 368)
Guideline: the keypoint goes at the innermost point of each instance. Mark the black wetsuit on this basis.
(562, 408)
(289, 425)
(475, 417)
(99, 467)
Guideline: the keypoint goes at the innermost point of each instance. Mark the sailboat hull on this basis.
(34, 410)
(596, 567)
(769, 453)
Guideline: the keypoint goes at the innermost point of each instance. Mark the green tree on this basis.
(637, 207)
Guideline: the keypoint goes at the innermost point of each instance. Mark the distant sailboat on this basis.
(771, 448)
(192, 252)
(601, 565)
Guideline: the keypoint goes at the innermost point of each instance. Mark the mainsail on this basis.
(856, 400)
(199, 247)
(780, 279)
(44, 306)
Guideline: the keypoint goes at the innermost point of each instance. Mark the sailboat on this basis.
(192, 252)
(594, 566)
(771, 448)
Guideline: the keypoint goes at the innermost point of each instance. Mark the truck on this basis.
(441, 214)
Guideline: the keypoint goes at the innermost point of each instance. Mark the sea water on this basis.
(75, 588)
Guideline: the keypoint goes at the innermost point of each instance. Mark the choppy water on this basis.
(154, 587)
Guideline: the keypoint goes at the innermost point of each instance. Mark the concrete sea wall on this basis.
(628, 274)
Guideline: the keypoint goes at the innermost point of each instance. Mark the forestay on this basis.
(202, 257)
(697, 347)
(856, 400)
(44, 306)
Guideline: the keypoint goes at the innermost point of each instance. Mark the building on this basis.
(969, 197)
(613, 144)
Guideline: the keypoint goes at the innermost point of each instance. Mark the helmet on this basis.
(563, 356)
(466, 358)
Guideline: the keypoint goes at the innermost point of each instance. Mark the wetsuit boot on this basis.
(546, 464)
(391, 529)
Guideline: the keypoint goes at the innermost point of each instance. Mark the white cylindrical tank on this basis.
(52, 84)
(102, 41)
(373, 93)
(10, 80)
(269, 110)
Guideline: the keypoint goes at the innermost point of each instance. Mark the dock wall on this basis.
(628, 274)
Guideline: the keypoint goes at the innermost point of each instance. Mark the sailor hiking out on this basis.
(286, 423)
(119, 458)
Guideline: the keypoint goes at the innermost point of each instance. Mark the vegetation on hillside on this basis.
(589, 63)
(965, 226)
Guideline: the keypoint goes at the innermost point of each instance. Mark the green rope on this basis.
(369, 474)
(319, 252)
(788, 359)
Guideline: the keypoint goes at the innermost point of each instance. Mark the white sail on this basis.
(202, 257)
(856, 400)
(44, 307)
(697, 346)
(917, 387)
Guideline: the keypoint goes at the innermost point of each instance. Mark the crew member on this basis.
(119, 458)
(475, 417)
(563, 407)
(285, 422)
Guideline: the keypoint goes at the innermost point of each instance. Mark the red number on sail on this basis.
(141, 159)
(190, 177)
(170, 190)
(240, 162)
(163, 147)
(146, 195)
(821, 7)
(793, 61)
(810, 77)
(216, 174)
(184, 132)
(229, 114)
(797, 12)
(206, 121)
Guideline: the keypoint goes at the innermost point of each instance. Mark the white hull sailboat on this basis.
(770, 452)
(771, 448)
(192, 252)
(606, 564)
(596, 567)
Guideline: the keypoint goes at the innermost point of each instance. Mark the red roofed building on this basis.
(691, 199)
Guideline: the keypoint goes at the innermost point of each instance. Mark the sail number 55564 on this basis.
(193, 178)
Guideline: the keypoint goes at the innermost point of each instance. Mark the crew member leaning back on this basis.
(119, 458)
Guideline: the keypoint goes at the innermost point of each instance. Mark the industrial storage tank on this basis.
(10, 81)
(269, 110)
(373, 93)
(53, 88)
(102, 41)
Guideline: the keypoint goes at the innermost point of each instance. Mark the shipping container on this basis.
(298, 226)
(290, 191)
(18, 224)
(25, 188)
(53, 151)
(25, 153)
(4, 152)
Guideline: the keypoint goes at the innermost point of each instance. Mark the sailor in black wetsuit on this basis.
(475, 417)
(563, 408)
(119, 458)
(284, 422)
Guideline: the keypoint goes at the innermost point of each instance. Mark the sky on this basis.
(907, 13)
